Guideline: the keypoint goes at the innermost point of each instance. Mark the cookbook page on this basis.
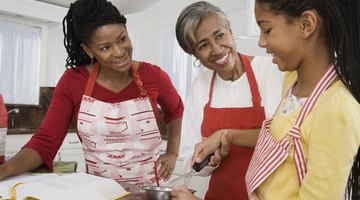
(21, 190)
(62, 186)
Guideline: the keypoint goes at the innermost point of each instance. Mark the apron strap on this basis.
(268, 148)
(256, 99)
(299, 156)
(92, 80)
(94, 73)
(211, 89)
(138, 82)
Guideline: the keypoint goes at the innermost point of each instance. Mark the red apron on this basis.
(269, 153)
(228, 180)
(120, 140)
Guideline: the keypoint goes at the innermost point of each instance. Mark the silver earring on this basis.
(197, 63)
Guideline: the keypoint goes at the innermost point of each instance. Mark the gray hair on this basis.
(189, 19)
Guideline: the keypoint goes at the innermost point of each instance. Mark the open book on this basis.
(51, 186)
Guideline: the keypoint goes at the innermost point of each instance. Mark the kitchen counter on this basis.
(11, 131)
(27, 130)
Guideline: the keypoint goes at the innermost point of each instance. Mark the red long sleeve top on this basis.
(67, 96)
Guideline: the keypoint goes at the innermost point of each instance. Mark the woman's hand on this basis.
(219, 142)
(166, 162)
(181, 192)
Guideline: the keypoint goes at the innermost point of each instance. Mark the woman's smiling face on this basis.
(112, 48)
(214, 44)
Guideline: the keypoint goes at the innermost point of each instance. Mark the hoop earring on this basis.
(91, 62)
(195, 64)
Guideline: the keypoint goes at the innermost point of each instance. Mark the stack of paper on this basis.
(51, 186)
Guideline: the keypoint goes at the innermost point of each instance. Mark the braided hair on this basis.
(342, 33)
(80, 23)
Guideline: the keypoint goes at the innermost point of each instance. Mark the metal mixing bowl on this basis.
(157, 192)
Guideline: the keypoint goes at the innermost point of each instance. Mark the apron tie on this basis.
(299, 156)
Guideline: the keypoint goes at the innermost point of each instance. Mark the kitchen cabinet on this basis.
(14, 143)
(70, 150)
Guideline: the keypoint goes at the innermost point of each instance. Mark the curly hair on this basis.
(80, 23)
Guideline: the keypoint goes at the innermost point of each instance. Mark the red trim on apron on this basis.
(120, 140)
(228, 180)
(3, 128)
(270, 154)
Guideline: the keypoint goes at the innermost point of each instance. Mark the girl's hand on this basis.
(166, 162)
(226, 140)
(181, 192)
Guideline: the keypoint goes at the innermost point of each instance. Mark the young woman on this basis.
(113, 100)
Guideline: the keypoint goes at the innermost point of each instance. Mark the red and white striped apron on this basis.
(269, 153)
(120, 140)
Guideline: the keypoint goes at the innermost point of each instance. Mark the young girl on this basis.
(306, 150)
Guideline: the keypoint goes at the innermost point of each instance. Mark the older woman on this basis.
(232, 97)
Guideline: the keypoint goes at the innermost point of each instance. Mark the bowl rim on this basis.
(154, 188)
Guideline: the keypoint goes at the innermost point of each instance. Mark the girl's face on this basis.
(214, 45)
(111, 46)
(279, 37)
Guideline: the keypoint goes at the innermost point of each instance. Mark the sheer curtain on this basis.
(177, 63)
(19, 63)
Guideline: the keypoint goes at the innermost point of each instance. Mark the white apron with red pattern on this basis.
(269, 153)
(120, 140)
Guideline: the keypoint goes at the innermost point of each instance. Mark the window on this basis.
(19, 62)
(178, 64)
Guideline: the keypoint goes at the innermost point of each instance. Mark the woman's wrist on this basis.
(4, 171)
(171, 153)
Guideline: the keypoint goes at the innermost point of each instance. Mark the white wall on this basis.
(236, 11)
(146, 29)
(145, 32)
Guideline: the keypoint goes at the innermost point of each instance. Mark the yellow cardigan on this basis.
(330, 136)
